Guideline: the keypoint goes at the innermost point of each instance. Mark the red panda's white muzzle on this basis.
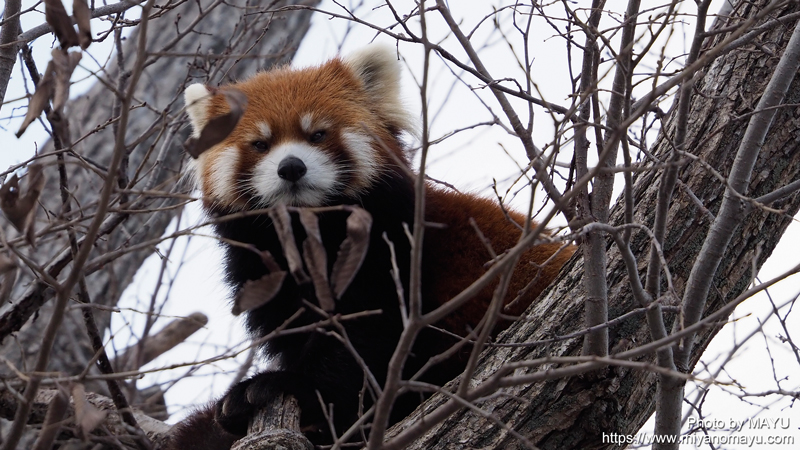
(294, 173)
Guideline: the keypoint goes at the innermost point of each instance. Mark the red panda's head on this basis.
(307, 136)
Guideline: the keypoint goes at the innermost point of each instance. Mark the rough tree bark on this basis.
(573, 412)
(226, 44)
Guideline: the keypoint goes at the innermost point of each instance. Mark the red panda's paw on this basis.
(199, 431)
(234, 411)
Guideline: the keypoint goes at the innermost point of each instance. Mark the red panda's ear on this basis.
(377, 67)
(197, 98)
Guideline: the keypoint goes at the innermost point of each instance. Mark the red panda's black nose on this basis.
(291, 168)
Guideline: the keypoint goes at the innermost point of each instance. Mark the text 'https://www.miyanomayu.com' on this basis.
(750, 432)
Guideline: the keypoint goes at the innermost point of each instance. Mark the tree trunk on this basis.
(574, 412)
(226, 44)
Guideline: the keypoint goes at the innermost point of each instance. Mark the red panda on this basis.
(332, 135)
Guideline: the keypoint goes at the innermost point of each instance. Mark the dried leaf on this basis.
(218, 128)
(52, 421)
(283, 226)
(20, 209)
(64, 64)
(35, 185)
(269, 262)
(257, 293)
(8, 269)
(87, 416)
(316, 259)
(80, 9)
(57, 17)
(9, 198)
(41, 98)
(352, 251)
(6, 264)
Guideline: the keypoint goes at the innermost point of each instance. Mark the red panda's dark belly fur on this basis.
(317, 361)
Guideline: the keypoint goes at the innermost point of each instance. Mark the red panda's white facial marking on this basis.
(362, 150)
(223, 170)
(308, 137)
(307, 123)
(266, 131)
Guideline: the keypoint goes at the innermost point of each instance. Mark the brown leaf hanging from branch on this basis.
(283, 226)
(64, 64)
(56, 411)
(87, 416)
(57, 17)
(8, 275)
(218, 128)
(352, 251)
(20, 209)
(257, 293)
(41, 98)
(53, 85)
(80, 9)
(316, 259)
(269, 261)
(6, 264)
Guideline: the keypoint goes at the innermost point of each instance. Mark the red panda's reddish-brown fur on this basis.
(331, 135)
(458, 245)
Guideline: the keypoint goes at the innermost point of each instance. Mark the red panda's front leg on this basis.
(315, 368)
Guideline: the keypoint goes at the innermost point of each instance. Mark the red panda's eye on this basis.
(260, 146)
(317, 137)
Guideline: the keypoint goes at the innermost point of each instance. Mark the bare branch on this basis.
(729, 215)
